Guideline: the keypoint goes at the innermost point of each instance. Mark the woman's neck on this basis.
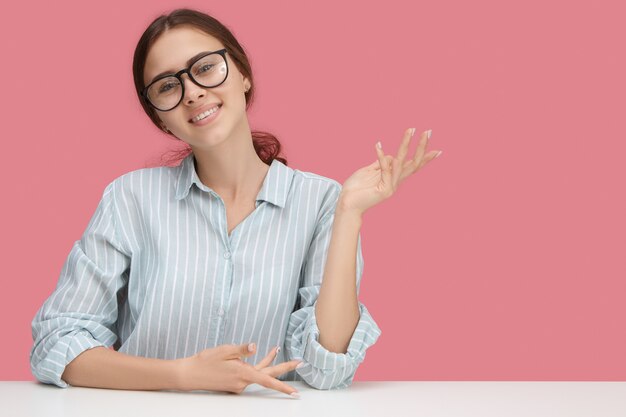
(232, 169)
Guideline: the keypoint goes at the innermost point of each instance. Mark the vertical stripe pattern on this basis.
(156, 274)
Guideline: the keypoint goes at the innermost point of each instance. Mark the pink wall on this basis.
(501, 260)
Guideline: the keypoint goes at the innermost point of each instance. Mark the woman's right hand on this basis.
(221, 369)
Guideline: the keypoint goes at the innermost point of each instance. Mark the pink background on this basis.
(504, 259)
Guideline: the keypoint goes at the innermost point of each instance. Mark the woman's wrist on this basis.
(179, 373)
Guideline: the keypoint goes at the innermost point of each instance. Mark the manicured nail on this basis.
(412, 131)
(251, 347)
(429, 133)
(295, 394)
(438, 153)
(379, 145)
(277, 349)
(300, 365)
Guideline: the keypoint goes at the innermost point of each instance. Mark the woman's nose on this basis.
(192, 90)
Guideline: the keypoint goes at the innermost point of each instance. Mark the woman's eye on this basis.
(165, 87)
(204, 68)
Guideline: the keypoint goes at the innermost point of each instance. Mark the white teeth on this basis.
(205, 114)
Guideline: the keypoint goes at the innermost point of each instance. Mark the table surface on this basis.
(363, 399)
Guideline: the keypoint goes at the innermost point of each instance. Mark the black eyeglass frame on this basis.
(144, 92)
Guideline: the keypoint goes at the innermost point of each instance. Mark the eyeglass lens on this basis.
(209, 71)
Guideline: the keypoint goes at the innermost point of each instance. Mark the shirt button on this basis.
(226, 255)
(221, 312)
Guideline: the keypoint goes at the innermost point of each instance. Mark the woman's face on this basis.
(170, 53)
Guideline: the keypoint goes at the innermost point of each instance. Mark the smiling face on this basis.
(170, 53)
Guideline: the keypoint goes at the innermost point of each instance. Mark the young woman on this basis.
(194, 272)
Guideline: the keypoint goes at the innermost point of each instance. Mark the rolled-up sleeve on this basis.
(81, 313)
(322, 368)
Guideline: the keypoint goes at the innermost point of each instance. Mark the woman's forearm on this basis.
(101, 367)
(337, 307)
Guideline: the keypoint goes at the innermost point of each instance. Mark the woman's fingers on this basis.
(419, 159)
(385, 166)
(402, 151)
(421, 147)
(429, 157)
(261, 378)
(281, 368)
(268, 359)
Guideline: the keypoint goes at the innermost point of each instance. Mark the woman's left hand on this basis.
(370, 185)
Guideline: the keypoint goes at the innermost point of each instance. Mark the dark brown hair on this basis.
(265, 144)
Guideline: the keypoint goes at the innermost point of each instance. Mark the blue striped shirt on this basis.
(156, 274)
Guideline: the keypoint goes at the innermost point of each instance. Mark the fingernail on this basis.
(300, 365)
(429, 133)
(438, 153)
(277, 349)
(412, 131)
(251, 347)
(379, 145)
(295, 394)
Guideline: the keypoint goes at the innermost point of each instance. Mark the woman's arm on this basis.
(337, 307)
(340, 277)
(101, 367)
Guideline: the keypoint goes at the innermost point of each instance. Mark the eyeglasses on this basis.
(208, 71)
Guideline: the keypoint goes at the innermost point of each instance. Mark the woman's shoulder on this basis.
(317, 190)
(144, 180)
(307, 178)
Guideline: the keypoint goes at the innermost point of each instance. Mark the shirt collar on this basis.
(274, 189)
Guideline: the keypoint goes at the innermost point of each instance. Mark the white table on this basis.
(362, 399)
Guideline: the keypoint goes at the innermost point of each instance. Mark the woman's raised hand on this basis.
(378, 181)
(221, 369)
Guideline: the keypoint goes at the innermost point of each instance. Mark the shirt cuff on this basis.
(323, 368)
(50, 369)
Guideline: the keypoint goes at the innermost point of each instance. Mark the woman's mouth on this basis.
(206, 117)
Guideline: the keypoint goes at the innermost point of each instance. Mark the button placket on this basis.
(227, 255)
